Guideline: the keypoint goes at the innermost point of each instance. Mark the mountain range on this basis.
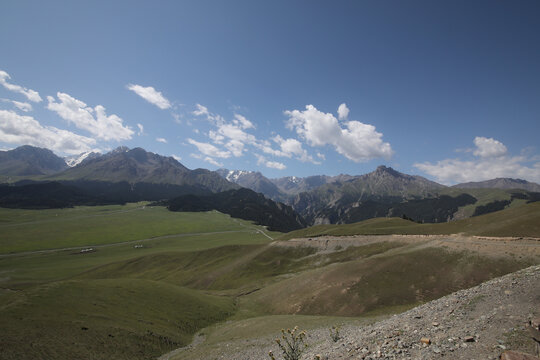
(125, 175)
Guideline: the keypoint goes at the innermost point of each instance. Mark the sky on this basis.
(449, 90)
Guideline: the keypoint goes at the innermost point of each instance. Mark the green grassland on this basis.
(156, 278)
(31, 230)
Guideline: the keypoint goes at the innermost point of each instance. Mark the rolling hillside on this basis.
(515, 221)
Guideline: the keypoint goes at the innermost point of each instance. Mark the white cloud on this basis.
(208, 159)
(230, 134)
(275, 165)
(201, 110)
(343, 112)
(488, 147)
(25, 130)
(293, 147)
(161, 140)
(141, 129)
(209, 149)
(236, 147)
(23, 106)
(261, 160)
(242, 122)
(215, 136)
(151, 95)
(176, 157)
(491, 162)
(93, 120)
(357, 141)
(29, 93)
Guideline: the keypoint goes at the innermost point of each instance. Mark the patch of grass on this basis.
(475, 300)
(105, 319)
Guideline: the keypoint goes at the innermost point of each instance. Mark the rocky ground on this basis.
(477, 323)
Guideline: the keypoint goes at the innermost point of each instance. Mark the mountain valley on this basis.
(131, 255)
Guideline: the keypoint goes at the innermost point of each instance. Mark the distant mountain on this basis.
(281, 189)
(293, 185)
(30, 161)
(75, 160)
(501, 183)
(244, 204)
(332, 202)
(254, 181)
(139, 166)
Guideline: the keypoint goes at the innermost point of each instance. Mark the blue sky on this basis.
(448, 90)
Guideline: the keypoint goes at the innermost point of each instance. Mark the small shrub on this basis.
(292, 344)
(334, 333)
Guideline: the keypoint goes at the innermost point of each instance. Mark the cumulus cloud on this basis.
(491, 161)
(293, 148)
(21, 129)
(357, 141)
(29, 93)
(151, 95)
(343, 112)
(93, 120)
(234, 136)
(488, 147)
(23, 106)
(209, 149)
(176, 157)
(161, 140)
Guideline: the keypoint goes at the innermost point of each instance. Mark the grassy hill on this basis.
(117, 319)
(514, 221)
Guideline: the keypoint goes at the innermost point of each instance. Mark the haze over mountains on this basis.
(124, 175)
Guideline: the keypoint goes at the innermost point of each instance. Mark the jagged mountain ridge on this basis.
(331, 202)
(139, 166)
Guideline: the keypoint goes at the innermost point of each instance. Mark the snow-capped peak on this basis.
(234, 175)
(75, 160)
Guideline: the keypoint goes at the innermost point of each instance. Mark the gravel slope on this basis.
(476, 323)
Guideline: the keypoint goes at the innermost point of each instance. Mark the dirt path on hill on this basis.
(490, 246)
